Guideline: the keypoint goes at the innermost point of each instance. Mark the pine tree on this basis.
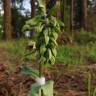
(63, 9)
(84, 14)
(32, 8)
(7, 19)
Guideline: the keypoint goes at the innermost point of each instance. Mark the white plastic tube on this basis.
(40, 81)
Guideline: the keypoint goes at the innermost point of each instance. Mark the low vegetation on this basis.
(75, 54)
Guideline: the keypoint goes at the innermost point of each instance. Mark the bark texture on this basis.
(7, 19)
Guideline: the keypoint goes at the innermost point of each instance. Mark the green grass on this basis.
(83, 37)
(91, 91)
(73, 55)
(18, 48)
(67, 54)
(77, 54)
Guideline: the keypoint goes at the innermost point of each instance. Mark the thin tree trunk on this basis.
(84, 14)
(63, 6)
(71, 15)
(7, 19)
(32, 2)
(32, 8)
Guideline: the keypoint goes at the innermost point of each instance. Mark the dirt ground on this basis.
(68, 81)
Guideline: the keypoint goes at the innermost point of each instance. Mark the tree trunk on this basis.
(7, 19)
(84, 14)
(32, 8)
(71, 15)
(32, 2)
(63, 9)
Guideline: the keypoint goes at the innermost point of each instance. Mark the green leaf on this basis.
(94, 93)
(49, 54)
(42, 60)
(46, 37)
(46, 40)
(47, 89)
(39, 28)
(34, 21)
(55, 35)
(52, 45)
(57, 29)
(41, 3)
(60, 22)
(42, 49)
(31, 43)
(25, 27)
(54, 52)
(53, 41)
(42, 8)
(34, 91)
(52, 60)
(54, 10)
(53, 21)
(29, 71)
(46, 64)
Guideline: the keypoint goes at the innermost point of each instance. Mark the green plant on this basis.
(89, 85)
(47, 27)
(71, 54)
(15, 46)
(84, 37)
(90, 93)
(92, 52)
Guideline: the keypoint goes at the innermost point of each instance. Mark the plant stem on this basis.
(40, 70)
(40, 65)
(42, 92)
(89, 85)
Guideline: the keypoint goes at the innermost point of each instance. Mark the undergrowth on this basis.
(76, 54)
